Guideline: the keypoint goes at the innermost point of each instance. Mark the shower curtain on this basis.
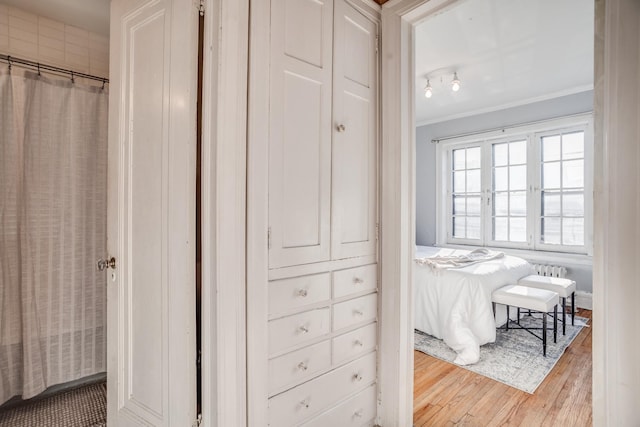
(53, 177)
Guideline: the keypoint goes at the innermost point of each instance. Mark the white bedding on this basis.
(455, 304)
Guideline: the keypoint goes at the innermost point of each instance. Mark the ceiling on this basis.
(506, 53)
(92, 15)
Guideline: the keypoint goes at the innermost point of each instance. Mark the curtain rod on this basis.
(11, 60)
(503, 128)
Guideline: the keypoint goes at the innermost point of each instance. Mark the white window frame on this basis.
(532, 133)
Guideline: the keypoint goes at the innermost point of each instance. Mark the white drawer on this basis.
(353, 280)
(358, 411)
(311, 398)
(293, 368)
(295, 330)
(354, 311)
(354, 343)
(290, 294)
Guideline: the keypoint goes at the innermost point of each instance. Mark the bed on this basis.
(454, 304)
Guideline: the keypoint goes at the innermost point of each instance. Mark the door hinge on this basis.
(377, 231)
(377, 43)
(197, 422)
(269, 238)
(201, 8)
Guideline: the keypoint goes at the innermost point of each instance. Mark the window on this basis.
(526, 188)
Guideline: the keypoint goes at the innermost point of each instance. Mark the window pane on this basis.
(459, 159)
(473, 205)
(573, 231)
(473, 181)
(473, 227)
(458, 227)
(518, 177)
(473, 158)
(551, 175)
(518, 152)
(551, 230)
(500, 179)
(518, 229)
(501, 229)
(458, 205)
(458, 182)
(551, 148)
(573, 205)
(551, 204)
(573, 145)
(501, 204)
(518, 205)
(573, 174)
(500, 154)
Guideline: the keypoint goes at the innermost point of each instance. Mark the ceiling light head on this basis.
(455, 83)
(428, 90)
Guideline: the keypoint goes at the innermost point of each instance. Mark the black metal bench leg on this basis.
(507, 328)
(518, 320)
(555, 323)
(544, 335)
(573, 309)
(564, 316)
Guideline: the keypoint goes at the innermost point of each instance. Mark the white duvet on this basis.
(455, 304)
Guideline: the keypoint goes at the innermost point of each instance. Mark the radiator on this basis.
(550, 270)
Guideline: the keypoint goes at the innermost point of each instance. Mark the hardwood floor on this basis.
(448, 395)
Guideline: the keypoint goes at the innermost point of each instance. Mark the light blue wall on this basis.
(426, 152)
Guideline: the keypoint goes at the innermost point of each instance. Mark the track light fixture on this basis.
(455, 83)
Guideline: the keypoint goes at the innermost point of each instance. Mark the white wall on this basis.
(37, 38)
(426, 161)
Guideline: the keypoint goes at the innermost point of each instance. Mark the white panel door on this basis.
(300, 133)
(151, 213)
(354, 164)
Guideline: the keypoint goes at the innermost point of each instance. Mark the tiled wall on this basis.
(37, 38)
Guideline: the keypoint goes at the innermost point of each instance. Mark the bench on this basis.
(565, 288)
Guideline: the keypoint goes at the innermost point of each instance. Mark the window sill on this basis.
(547, 257)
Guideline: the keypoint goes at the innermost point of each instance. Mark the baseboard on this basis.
(584, 300)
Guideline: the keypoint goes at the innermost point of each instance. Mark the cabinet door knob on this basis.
(357, 280)
(359, 343)
(341, 128)
(358, 312)
(302, 292)
(304, 329)
(358, 413)
(302, 366)
(357, 377)
(304, 403)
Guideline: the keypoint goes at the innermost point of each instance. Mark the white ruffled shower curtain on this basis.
(53, 172)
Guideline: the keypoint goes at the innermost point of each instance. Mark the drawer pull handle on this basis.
(358, 313)
(304, 329)
(358, 413)
(302, 366)
(357, 377)
(357, 280)
(305, 403)
(359, 343)
(341, 128)
(302, 293)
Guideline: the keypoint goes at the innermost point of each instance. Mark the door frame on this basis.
(616, 100)
(224, 156)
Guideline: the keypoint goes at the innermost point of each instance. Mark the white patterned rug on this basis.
(515, 358)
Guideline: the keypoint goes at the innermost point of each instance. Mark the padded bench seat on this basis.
(533, 299)
(565, 288)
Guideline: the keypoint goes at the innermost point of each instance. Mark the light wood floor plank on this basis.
(448, 395)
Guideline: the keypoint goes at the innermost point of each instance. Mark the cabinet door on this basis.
(300, 132)
(355, 132)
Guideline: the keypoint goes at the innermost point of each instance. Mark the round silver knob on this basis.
(357, 280)
(358, 312)
(303, 329)
(341, 128)
(305, 403)
(358, 343)
(302, 292)
(357, 377)
(302, 366)
(358, 413)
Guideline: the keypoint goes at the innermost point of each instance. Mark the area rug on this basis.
(82, 407)
(515, 358)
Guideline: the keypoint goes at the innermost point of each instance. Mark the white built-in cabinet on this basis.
(322, 163)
